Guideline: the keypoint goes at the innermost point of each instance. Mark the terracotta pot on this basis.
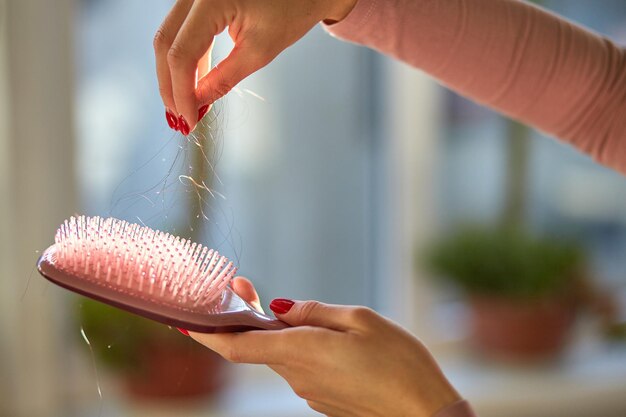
(176, 371)
(523, 330)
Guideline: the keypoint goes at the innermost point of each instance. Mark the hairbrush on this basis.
(150, 273)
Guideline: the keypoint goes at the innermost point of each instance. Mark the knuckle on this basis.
(214, 89)
(309, 308)
(176, 54)
(362, 315)
(221, 83)
(222, 88)
(302, 392)
(161, 41)
(315, 406)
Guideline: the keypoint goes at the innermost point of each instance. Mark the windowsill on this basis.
(590, 380)
(584, 383)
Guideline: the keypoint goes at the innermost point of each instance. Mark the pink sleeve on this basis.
(458, 409)
(511, 56)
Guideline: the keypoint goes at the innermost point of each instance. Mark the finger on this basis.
(192, 42)
(203, 69)
(245, 289)
(204, 65)
(240, 63)
(327, 410)
(256, 347)
(319, 407)
(314, 313)
(162, 42)
(301, 386)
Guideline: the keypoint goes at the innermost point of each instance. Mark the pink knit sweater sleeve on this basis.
(511, 56)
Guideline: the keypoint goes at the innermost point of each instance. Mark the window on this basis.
(334, 166)
(295, 154)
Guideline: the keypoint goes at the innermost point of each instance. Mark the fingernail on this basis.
(202, 111)
(172, 120)
(281, 305)
(183, 126)
(183, 331)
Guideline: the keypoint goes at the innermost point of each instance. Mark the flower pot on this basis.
(176, 371)
(520, 330)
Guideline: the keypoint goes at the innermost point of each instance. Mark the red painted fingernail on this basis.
(183, 331)
(172, 120)
(202, 111)
(183, 126)
(281, 305)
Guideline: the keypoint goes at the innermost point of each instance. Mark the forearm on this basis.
(510, 56)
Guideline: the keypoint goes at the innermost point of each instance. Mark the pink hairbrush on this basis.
(150, 273)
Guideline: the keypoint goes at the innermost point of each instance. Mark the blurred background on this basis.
(334, 174)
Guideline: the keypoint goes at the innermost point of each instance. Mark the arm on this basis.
(511, 56)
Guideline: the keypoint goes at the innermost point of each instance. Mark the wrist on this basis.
(430, 402)
(338, 10)
(442, 400)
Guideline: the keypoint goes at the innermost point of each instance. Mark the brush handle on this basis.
(247, 316)
(264, 322)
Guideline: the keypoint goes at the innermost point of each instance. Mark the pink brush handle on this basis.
(249, 317)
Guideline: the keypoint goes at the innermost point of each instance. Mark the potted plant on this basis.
(152, 360)
(521, 291)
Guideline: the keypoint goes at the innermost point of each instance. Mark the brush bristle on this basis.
(141, 261)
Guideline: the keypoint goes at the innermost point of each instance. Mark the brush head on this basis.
(150, 273)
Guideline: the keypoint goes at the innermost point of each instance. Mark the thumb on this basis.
(245, 289)
(314, 313)
(226, 75)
